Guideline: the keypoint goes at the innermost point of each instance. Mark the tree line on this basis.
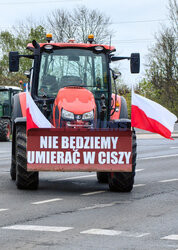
(161, 79)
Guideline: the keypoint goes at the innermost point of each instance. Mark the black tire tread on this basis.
(13, 169)
(102, 177)
(123, 181)
(123, 112)
(4, 130)
(24, 179)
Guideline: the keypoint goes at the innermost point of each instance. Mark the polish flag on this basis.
(35, 118)
(151, 116)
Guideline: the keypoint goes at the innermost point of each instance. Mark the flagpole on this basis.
(132, 89)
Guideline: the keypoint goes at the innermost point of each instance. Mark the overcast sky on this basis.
(134, 21)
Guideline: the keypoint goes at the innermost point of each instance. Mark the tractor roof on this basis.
(73, 45)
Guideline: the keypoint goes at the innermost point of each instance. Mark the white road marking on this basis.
(173, 147)
(142, 235)
(38, 228)
(136, 235)
(3, 209)
(4, 173)
(103, 205)
(157, 157)
(79, 177)
(170, 237)
(139, 185)
(169, 180)
(93, 193)
(75, 177)
(101, 232)
(46, 201)
(113, 233)
(97, 206)
(139, 170)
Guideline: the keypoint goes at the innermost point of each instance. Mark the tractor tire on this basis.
(24, 179)
(123, 112)
(102, 177)
(123, 181)
(5, 129)
(13, 169)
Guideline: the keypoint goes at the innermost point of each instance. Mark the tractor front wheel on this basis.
(13, 168)
(123, 181)
(24, 179)
(102, 177)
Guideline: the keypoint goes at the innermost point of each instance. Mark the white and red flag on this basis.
(35, 118)
(151, 116)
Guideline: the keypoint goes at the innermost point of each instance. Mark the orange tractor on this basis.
(71, 83)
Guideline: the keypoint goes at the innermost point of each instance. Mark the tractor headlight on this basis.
(88, 116)
(66, 115)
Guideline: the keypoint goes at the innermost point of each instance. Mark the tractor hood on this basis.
(77, 100)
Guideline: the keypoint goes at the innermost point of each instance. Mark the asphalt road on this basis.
(73, 211)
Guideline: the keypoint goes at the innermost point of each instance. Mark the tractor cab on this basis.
(6, 94)
(71, 82)
(77, 78)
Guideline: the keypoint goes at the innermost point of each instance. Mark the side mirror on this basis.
(27, 74)
(116, 74)
(135, 63)
(13, 61)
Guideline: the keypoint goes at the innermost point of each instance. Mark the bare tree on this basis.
(23, 27)
(61, 25)
(91, 21)
(173, 15)
(79, 24)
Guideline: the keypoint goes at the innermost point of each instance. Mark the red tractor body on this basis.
(71, 83)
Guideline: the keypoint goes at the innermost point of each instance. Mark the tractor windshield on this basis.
(72, 67)
(4, 96)
(6, 100)
(4, 103)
